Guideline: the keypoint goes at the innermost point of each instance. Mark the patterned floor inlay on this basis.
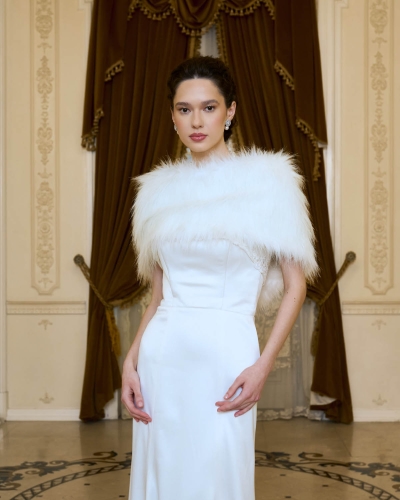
(317, 465)
(82, 478)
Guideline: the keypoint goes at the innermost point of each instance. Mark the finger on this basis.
(235, 403)
(140, 414)
(244, 410)
(233, 388)
(134, 412)
(137, 394)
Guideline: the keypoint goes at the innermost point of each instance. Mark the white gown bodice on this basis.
(213, 274)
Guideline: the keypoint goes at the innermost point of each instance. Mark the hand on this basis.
(252, 381)
(131, 394)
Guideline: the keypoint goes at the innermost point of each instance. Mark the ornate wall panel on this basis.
(45, 160)
(379, 146)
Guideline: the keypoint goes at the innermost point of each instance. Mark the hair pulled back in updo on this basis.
(213, 69)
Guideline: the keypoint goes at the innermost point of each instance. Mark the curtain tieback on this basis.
(349, 259)
(109, 308)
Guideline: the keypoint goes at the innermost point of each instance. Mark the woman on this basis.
(216, 235)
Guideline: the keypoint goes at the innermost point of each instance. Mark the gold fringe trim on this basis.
(251, 8)
(284, 73)
(199, 32)
(194, 46)
(155, 16)
(150, 14)
(114, 69)
(308, 131)
(349, 259)
(221, 46)
(271, 8)
(109, 308)
(89, 140)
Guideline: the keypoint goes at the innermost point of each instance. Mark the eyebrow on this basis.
(204, 103)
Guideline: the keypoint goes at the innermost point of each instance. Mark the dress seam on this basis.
(225, 274)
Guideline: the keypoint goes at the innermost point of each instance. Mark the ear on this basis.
(172, 113)
(230, 113)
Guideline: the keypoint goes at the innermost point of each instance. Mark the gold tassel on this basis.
(113, 331)
(349, 259)
(109, 308)
(89, 140)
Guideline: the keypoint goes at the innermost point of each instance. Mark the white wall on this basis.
(42, 226)
(48, 205)
(360, 46)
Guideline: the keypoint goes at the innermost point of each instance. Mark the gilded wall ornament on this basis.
(379, 230)
(45, 323)
(45, 261)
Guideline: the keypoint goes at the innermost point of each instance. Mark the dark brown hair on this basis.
(213, 69)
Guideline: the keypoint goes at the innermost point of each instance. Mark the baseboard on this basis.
(376, 415)
(42, 415)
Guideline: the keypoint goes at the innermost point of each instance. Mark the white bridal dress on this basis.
(200, 339)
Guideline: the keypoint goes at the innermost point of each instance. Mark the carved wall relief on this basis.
(379, 174)
(44, 113)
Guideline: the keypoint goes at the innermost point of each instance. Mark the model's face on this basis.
(200, 113)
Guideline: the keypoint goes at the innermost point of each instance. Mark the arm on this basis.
(253, 378)
(131, 394)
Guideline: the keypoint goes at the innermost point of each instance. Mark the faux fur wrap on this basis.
(253, 198)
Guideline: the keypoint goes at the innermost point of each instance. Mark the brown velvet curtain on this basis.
(135, 131)
(274, 57)
(272, 49)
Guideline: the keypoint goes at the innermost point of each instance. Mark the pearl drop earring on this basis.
(227, 124)
(175, 128)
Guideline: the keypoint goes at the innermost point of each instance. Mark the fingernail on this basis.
(226, 395)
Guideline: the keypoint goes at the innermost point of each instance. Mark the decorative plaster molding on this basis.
(46, 399)
(379, 401)
(371, 307)
(45, 323)
(45, 308)
(42, 415)
(379, 323)
(45, 147)
(379, 146)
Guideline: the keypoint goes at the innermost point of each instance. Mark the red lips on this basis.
(198, 137)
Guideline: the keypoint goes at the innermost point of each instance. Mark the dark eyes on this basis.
(208, 108)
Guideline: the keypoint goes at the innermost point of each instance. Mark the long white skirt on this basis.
(188, 359)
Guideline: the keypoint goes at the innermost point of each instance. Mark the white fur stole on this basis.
(253, 198)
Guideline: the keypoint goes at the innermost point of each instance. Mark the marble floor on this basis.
(297, 459)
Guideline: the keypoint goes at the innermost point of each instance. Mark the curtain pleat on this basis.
(136, 132)
(267, 115)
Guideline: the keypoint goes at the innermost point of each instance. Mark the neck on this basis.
(219, 150)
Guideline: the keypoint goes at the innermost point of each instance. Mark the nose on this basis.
(197, 120)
